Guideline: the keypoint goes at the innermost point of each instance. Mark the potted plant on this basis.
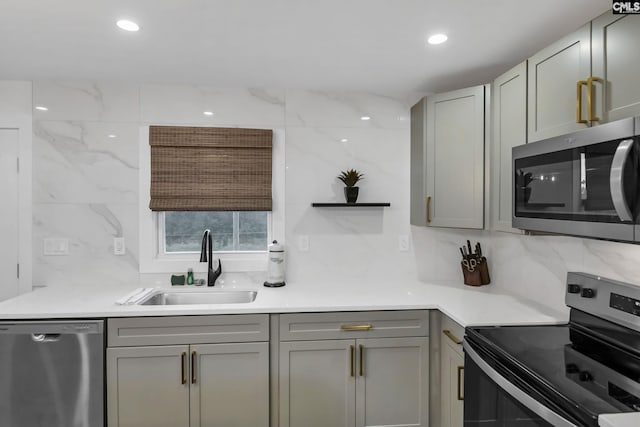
(350, 178)
(523, 191)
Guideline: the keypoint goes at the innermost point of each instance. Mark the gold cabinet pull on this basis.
(428, 209)
(579, 85)
(460, 396)
(590, 95)
(451, 336)
(361, 360)
(183, 367)
(193, 367)
(364, 327)
(352, 361)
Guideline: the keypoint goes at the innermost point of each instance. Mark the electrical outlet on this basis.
(303, 243)
(119, 247)
(54, 247)
(403, 243)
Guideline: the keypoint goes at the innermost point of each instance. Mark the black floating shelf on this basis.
(350, 205)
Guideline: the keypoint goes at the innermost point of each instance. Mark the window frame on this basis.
(152, 260)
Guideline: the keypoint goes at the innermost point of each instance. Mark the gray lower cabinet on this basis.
(196, 384)
(451, 374)
(354, 380)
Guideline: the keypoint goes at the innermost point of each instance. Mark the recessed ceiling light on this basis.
(208, 113)
(437, 39)
(365, 118)
(112, 135)
(41, 108)
(127, 25)
(344, 140)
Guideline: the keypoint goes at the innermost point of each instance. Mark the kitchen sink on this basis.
(184, 297)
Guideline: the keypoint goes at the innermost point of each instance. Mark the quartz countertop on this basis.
(466, 305)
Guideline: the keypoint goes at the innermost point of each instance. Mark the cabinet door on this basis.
(616, 61)
(509, 129)
(393, 382)
(452, 377)
(418, 213)
(147, 386)
(230, 385)
(455, 158)
(317, 383)
(553, 76)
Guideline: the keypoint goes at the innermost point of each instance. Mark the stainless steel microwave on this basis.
(582, 184)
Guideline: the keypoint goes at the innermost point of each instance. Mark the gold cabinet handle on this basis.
(590, 95)
(428, 209)
(451, 336)
(361, 360)
(460, 369)
(352, 361)
(364, 327)
(579, 85)
(183, 367)
(193, 367)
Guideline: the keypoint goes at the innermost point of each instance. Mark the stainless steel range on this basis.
(559, 375)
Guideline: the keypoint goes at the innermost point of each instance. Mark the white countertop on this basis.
(466, 305)
(630, 419)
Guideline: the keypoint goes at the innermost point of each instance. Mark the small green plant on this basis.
(350, 177)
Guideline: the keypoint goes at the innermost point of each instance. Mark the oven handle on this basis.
(616, 180)
(528, 401)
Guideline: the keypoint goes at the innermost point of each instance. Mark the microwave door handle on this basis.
(533, 405)
(616, 179)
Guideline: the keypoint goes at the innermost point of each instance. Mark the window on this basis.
(181, 231)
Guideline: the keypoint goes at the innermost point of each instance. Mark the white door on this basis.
(9, 213)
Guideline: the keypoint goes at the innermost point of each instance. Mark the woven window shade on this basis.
(210, 169)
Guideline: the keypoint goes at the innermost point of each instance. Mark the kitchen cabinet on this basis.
(455, 159)
(451, 374)
(188, 371)
(616, 59)
(586, 78)
(418, 165)
(354, 369)
(509, 119)
(553, 74)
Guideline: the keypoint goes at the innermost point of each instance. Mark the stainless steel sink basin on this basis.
(183, 297)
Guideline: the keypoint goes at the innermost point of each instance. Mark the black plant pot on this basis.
(351, 194)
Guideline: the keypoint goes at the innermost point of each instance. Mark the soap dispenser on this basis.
(275, 266)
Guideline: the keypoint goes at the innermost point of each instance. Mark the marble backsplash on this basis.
(85, 188)
(86, 166)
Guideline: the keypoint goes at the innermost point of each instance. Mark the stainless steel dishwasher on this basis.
(52, 373)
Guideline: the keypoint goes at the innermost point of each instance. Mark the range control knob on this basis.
(585, 376)
(588, 293)
(573, 289)
(572, 368)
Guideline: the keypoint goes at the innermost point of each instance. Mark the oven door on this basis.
(492, 398)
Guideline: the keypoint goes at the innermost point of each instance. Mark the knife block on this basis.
(479, 276)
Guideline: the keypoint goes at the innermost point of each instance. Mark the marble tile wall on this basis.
(86, 182)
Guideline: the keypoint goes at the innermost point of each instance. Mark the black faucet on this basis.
(212, 276)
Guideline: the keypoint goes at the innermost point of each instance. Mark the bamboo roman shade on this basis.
(210, 169)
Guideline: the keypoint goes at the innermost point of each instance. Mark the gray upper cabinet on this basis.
(509, 128)
(554, 74)
(455, 159)
(616, 61)
(418, 212)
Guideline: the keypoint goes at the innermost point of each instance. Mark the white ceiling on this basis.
(371, 45)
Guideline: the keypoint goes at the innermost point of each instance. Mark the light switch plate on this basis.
(303, 243)
(119, 246)
(403, 243)
(56, 246)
